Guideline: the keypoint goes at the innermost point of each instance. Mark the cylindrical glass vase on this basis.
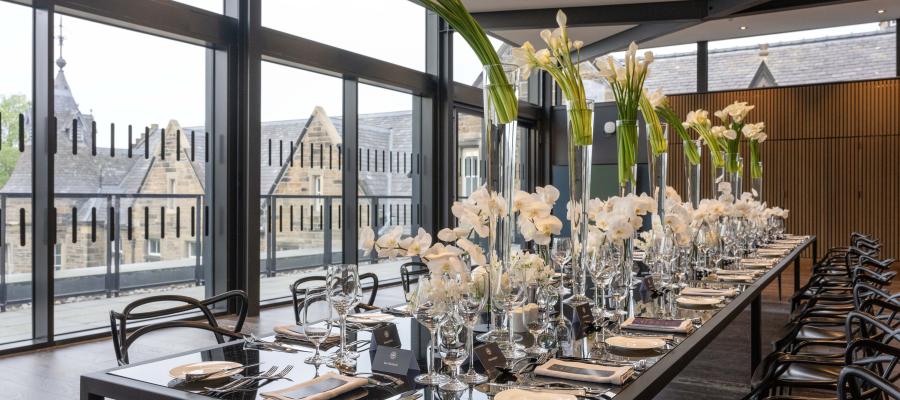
(498, 150)
(580, 133)
(657, 169)
(734, 165)
(756, 179)
(692, 174)
(626, 152)
(717, 171)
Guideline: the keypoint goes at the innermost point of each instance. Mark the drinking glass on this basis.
(603, 269)
(536, 324)
(469, 305)
(431, 311)
(511, 292)
(344, 293)
(316, 320)
(561, 254)
(453, 350)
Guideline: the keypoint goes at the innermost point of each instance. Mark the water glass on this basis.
(469, 306)
(316, 321)
(431, 311)
(344, 293)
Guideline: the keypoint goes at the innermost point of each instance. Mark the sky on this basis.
(127, 77)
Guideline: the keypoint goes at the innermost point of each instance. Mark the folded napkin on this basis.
(771, 252)
(785, 246)
(324, 387)
(371, 318)
(533, 394)
(295, 334)
(658, 324)
(688, 301)
(579, 371)
(691, 291)
(758, 262)
(720, 271)
(743, 278)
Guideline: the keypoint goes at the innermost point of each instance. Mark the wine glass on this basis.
(603, 269)
(561, 254)
(469, 305)
(537, 323)
(316, 320)
(511, 292)
(453, 350)
(344, 293)
(431, 311)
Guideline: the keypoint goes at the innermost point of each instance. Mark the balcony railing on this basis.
(112, 220)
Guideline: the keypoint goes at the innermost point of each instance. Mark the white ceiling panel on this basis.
(501, 5)
(587, 34)
(785, 21)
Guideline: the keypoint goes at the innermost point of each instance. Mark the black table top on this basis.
(150, 379)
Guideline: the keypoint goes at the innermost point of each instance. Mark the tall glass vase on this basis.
(756, 178)
(626, 152)
(692, 174)
(734, 166)
(581, 136)
(657, 169)
(718, 174)
(498, 149)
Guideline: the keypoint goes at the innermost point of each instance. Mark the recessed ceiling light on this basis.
(881, 11)
(743, 28)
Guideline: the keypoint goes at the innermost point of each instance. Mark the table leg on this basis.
(87, 395)
(796, 275)
(815, 251)
(755, 333)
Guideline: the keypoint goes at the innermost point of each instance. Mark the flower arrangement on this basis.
(618, 218)
(698, 120)
(756, 133)
(503, 94)
(627, 84)
(535, 221)
(661, 104)
(733, 117)
(658, 142)
(556, 59)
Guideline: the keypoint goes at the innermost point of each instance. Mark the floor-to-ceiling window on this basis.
(130, 170)
(300, 175)
(15, 173)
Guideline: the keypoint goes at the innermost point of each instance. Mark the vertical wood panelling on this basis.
(832, 156)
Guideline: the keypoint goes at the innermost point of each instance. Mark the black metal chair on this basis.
(298, 292)
(122, 339)
(855, 381)
(410, 273)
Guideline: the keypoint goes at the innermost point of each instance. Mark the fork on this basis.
(238, 383)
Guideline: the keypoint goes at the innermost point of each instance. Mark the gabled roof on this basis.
(763, 77)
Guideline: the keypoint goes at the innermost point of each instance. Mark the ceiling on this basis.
(836, 13)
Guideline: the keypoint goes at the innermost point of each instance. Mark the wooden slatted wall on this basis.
(832, 156)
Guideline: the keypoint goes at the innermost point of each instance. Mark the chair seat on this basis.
(810, 374)
(813, 332)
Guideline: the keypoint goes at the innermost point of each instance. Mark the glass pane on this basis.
(389, 30)
(388, 168)
(853, 52)
(300, 175)
(129, 174)
(15, 174)
(467, 68)
(216, 6)
(469, 172)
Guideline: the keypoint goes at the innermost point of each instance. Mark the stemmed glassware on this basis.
(431, 310)
(344, 293)
(603, 269)
(453, 350)
(315, 321)
(561, 255)
(537, 323)
(469, 305)
(511, 292)
(707, 243)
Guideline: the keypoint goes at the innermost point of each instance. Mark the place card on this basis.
(585, 319)
(491, 359)
(394, 361)
(387, 335)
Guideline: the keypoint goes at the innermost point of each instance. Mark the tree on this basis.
(10, 108)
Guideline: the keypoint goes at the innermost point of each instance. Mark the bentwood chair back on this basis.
(859, 383)
(870, 363)
(410, 273)
(300, 287)
(122, 339)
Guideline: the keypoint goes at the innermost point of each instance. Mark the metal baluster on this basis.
(3, 250)
(327, 232)
(198, 267)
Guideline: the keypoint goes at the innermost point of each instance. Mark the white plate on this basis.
(206, 367)
(371, 318)
(691, 301)
(635, 343)
(519, 394)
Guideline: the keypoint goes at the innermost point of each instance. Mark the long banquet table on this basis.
(150, 380)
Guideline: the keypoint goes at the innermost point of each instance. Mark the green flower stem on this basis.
(675, 123)
(755, 168)
(626, 140)
(581, 121)
(715, 145)
(733, 148)
(658, 141)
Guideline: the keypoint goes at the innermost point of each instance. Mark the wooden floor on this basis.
(721, 372)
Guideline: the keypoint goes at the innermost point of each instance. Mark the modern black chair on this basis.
(122, 339)
(859, 383)
(300, 287)
(410, 273)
